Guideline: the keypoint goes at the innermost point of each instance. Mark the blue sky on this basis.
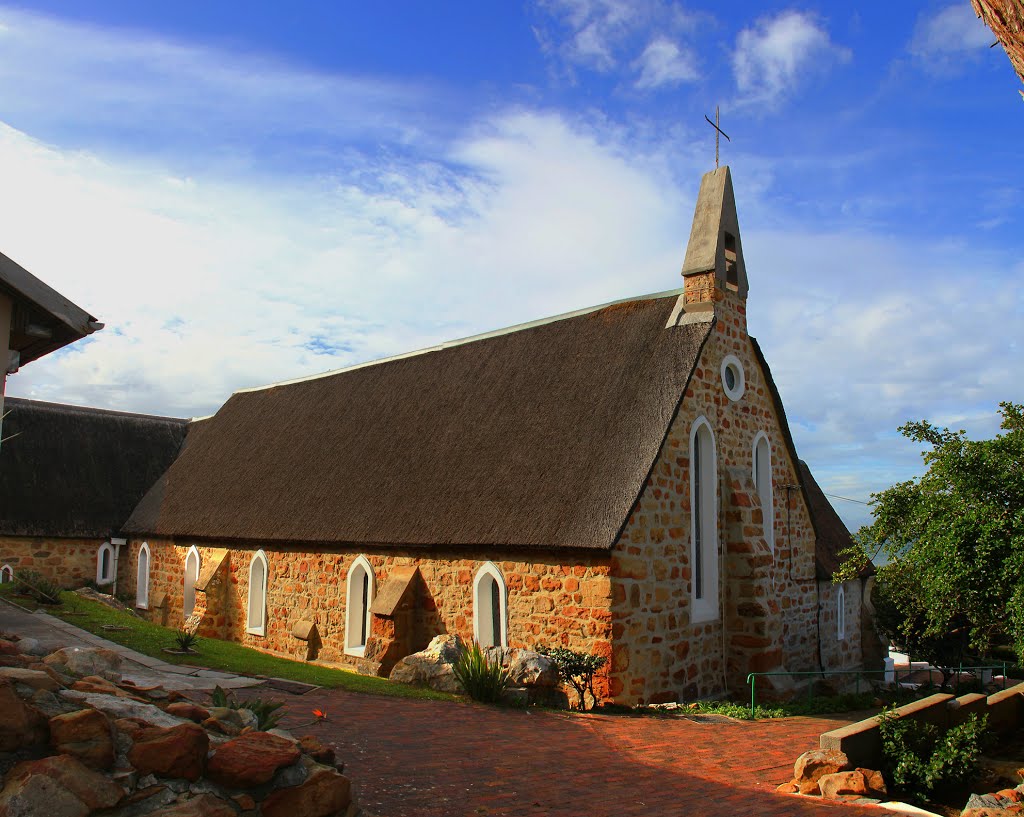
(252, 192)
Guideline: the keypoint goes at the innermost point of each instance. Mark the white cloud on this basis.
(774, 55)
(639, 38)
(943, 41)
(665, 63)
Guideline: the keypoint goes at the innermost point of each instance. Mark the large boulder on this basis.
(117, 707)
(813, 765)
(251, 759)
(86, 661)
(28, 677)
(432, 667)
(205, 805)
(527, 668)
(323, 793)
(176, 752)
(21, 724)
(85, 735)
(57, 786)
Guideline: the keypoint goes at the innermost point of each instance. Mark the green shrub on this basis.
(266, 712)
(484, 680)
(185, 640)
(577, 669)
(35, 584)
(920, 759)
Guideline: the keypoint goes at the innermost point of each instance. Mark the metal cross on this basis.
(718, 130)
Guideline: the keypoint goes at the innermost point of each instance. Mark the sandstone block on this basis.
(179, 751)
(21, 725)
(841, 784)
(811, 766)
(29, 677)
(85, 735)
(193, 712)
(251, 759)
(323, 794)
(58, 786)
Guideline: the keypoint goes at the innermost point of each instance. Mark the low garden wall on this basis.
(862, 744)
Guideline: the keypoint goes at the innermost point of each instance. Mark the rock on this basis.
(85, 735)
(101, 686)
(58, 786)
(50, 705)
(788, 788)
(86, 661)
(875, 782)
(21, 724)
(28, 677)
(251, 759)
(248, 719)
(131, 726)
(324, 793)
(282, 733)
(176, 752)
(17, 660)
(226, 714)
(432, 667)
(60, 680)
(244, 802)
(222, 727)
(117, 707)
(810, 766)
(193, 712)
(8, 647)
(834, 785)
(516, 697)
(531, 669)
(30, 646)
(312, 746)
(205, 805)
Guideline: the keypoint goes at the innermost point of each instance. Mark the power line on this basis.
(847, 499)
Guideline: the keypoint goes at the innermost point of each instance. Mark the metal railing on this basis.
(907, 672)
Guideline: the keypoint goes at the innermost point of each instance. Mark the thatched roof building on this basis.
(1006, 19)
(67, 471)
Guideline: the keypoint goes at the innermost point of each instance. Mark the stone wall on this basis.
(840, 653)
(549, 603)
(72, 562)
(770, 599)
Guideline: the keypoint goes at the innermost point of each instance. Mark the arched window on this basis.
(105, 564)
(490, 607)
(6, 574)
(256, 623)
(361, 586)
(703, 522)
(763, 483)
(142, 580)
(192, 565)
(841, 613)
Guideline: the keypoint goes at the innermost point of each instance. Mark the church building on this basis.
(620, 479)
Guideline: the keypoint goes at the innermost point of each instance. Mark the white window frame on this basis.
(101, 577)
(481, 609)
(841, 613)
(187, 589)
(354, 615)
(142, 578)
(260, 627)
(704, 608)
(740, 386)
(766, 491)
(7, 571)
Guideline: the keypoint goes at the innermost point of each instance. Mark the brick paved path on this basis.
(431, 758)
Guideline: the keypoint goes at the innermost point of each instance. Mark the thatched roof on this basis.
(1006, 19)
(78, 472)
(832, 534)
(44, 320)
(541, 437)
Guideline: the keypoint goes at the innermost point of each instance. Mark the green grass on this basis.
(151, 639)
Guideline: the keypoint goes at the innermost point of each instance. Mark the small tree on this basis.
(577, 669)
(954, 538)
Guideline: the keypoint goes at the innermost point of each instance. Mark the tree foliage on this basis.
(954, 539)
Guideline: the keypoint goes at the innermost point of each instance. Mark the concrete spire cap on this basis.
(715, 235)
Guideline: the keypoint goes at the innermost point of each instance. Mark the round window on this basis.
(732, 377)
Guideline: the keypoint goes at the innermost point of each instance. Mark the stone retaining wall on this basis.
(71, 562)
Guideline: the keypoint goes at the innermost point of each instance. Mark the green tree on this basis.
(954, 539)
